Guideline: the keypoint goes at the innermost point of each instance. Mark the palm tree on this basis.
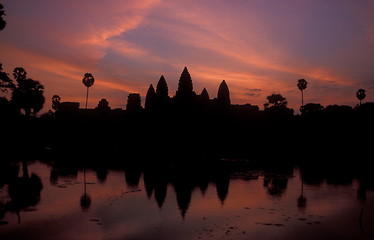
(56, 101)
(88, 80)
(302, 84)
(361, 94)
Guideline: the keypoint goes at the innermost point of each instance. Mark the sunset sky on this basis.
(259, 47)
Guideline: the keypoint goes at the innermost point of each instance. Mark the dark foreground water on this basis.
(45, 202)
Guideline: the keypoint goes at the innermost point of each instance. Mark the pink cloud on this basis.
(128, 45)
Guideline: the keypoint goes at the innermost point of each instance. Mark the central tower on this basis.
(185, 87)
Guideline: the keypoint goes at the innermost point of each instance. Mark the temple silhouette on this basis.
(179, 127)
(158, 101)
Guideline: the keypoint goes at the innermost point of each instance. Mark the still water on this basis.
(45, 202)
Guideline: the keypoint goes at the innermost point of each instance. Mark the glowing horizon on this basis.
(258, 47)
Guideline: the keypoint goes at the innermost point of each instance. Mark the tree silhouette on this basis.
(361, 94)
(5, 81)
(302, 84)
(88, 80)
(24, 191)
(2, 21)
(28, 94)
(275, 100)
(311, 108)
(19, 74)
(56, 101)
(277, 107)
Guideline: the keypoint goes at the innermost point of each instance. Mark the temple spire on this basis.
(149, 98)
(223, 96)
(185, 86)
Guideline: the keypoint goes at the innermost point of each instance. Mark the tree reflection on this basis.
(276, 180)
(23, 191)
(101, 175)
(85, 200)
(301, 200)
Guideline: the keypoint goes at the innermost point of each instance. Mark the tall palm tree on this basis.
(361, 94)
(302, 84)
(88, 80)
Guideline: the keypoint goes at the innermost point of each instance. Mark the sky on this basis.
(259, 47)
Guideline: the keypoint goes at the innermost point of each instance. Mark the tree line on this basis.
(27, 96)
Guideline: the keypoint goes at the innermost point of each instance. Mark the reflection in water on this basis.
(101, 175)
(276, 180)
(156, 182)
(85, 198)
(23, 192)
(301, 201)
(132, 176)
(221, 200)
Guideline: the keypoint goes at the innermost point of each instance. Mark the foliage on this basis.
(56, 101)
(277, 106)
(5, 81)
(28, 94)
(311, 108)
(275, 100)
(302, 84)
(88, 80)
(337, 110)
(361, 94)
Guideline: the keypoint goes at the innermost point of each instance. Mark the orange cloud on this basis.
(128, 45)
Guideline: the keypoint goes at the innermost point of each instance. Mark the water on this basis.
(172, 204)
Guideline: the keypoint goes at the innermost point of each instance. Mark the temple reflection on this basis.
(24, 188)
